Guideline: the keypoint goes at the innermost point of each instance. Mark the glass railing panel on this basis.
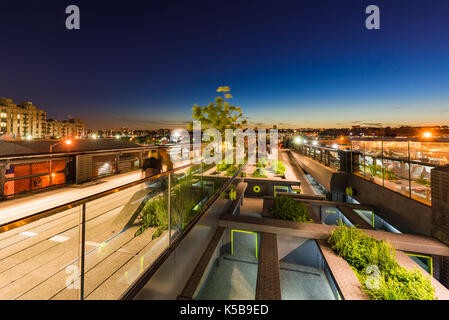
(425, 156)
(187, 197)
(125, 233)
(396, 169)
(334, 160)
(41, 259)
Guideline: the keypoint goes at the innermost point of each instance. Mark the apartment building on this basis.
(70, 128)
(23, 120)
(26, 121)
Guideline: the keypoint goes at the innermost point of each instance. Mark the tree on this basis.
(220, 114)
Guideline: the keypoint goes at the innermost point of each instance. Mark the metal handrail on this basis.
(49, 212)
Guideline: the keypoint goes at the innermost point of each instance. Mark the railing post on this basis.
(82, 230)
(169, 210)
(409, 170)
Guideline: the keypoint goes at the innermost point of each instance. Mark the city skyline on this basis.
(309, 65)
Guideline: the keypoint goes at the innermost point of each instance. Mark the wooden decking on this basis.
(268, 273)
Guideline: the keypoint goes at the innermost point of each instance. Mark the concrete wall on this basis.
(405, 214)
(334, 181)
(266, 186)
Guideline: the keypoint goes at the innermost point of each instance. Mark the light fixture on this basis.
(315, 143)
(297, 140)
(427, 134)
(335, 146)
(68, 142)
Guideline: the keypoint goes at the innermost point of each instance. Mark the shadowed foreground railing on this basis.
(107, 245)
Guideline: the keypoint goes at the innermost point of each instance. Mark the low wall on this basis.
(405, 214)
(260, 187)
(334, 181)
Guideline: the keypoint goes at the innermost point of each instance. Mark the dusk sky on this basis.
(298, 63)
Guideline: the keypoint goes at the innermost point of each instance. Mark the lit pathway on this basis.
(23, 207)
(294, 172)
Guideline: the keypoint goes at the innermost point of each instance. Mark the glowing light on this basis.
(315, 143)
(297, 140)
(427, 134)
(305, 141)
(335, 146)
(118, 136)
(29, 137)
(68, 142)
(94, 136)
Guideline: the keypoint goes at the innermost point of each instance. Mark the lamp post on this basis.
(67, 142)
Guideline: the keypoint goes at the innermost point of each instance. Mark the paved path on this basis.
(23, 207)
(294, 172)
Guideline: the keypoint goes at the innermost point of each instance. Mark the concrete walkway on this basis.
(294, 172)
(23, 207)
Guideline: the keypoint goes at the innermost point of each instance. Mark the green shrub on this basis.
(259, 173)
(154, 214)
(222, 166)
(184, 198)
(231, 171)
(278, 167)
(262, 163)
(286, 208)
(395, 282)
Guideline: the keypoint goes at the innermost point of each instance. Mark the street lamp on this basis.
(67, 142)
(52, 175)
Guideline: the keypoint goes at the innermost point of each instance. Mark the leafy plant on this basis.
(278, 167)
(231, 171)
(222, 166)
(184, 206)
(395, 282)
(262, 163)
(259, 173)
(286, 208)
(154, 214)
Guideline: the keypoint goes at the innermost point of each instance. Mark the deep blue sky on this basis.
(298, 63)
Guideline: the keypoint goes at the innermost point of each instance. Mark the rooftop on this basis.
(23, 148)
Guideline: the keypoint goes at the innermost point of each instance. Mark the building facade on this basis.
(22, 120)
(26, 121)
